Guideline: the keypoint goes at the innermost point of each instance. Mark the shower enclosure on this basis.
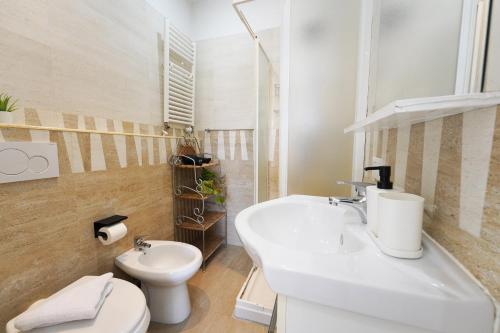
(264, 82)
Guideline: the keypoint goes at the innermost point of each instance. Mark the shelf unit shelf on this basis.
(193, 196)
(198, 219)
(205, 165)
(212, 243)
(411, 111)
(211, 218)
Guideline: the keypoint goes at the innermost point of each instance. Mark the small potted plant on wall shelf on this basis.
(212, 184)
(7, 106)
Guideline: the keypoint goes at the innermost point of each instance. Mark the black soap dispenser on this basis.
(372, 193)
(384, 172)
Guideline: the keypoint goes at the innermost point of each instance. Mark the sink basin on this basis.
(312, 251)
(304, 227)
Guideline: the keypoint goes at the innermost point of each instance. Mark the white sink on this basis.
(312, 251)
(306, 231)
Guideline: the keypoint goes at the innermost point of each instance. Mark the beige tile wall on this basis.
(226, 83)
(101, 175)
(86, 57)
(234, 149)
(86, 65)
(454, 163)
(46, 225)
(226, 99)
(83, 65)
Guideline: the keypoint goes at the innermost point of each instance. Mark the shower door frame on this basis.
(257, 148)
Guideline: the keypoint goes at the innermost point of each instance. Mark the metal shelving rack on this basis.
(198, 219)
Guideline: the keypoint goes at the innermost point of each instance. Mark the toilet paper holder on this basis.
(107, 222)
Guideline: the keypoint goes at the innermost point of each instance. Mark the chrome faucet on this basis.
(358, 202)
(140, 243)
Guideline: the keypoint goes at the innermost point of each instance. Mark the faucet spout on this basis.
(140, 243)
(359, 205)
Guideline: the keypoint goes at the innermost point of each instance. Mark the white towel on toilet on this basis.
(79, 300)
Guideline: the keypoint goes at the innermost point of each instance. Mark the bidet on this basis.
(163, 269)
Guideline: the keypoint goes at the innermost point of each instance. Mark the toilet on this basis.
(124, 311)
(164, 270)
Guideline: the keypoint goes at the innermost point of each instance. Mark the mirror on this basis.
(415, 47)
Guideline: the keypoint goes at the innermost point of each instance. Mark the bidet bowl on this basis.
(165, 263)
(164, 269)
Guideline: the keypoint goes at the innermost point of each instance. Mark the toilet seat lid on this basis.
(124, 311)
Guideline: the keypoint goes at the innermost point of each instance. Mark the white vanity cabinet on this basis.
(296, 316)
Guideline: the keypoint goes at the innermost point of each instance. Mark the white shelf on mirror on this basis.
(411, 111)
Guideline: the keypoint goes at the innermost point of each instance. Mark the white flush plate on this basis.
(20, 161)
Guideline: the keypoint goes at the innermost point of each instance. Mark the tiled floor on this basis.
(213, 295)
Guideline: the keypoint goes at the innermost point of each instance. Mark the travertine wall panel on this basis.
(454, 163)
(415, 159)
(95, 65)
(447, 197)
(234, 150)
(46, 225)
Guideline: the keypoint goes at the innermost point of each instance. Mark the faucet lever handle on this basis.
(359, 186)
(140, 242)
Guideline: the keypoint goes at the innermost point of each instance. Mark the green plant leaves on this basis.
(6, 105)
(208, 175)
(212, 184)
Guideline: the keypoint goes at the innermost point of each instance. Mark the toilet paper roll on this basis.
(113, 233)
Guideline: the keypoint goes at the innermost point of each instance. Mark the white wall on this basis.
(206, 19)
(217, 18)
(179, 12)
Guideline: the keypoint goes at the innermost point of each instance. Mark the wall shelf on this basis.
(411, 111)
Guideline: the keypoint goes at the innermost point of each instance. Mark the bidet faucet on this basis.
(358, 203)
(140, 243)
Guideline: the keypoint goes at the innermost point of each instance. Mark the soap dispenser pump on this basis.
(384, 172)
(372, 193)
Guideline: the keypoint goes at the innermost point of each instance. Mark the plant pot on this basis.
(6, 117)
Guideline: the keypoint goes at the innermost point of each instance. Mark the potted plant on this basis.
(212, 184)
(7, 106)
